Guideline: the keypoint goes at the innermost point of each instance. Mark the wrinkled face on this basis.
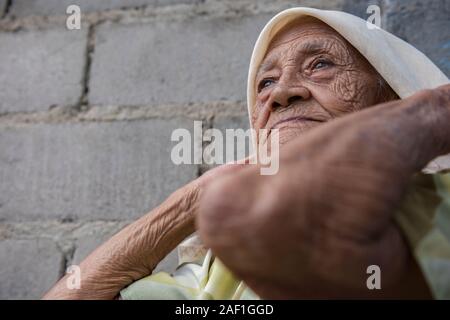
(311, 75)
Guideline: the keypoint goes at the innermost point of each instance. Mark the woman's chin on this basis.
(287, 134)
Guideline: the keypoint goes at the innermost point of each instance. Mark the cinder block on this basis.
(2, 7)
(425, 25)
(194, 60)
(89, 171)
(231, 122)
(359, 8)
(39, 69)
(21, 8)
(28, 268)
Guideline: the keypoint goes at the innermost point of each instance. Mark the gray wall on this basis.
(86, 116)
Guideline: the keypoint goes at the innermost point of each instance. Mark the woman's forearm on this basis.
(134, 252)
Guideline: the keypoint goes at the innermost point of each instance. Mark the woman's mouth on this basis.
(294, 119)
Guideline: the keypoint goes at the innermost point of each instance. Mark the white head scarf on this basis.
(405, 69)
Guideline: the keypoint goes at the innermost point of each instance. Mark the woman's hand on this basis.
(135, 251)
(314, 228)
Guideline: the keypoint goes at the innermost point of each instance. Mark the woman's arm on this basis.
(135, 251)
(313, 229)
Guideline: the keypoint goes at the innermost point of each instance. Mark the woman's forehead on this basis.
(303, 29)
(305, 36)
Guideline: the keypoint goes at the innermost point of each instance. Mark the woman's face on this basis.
(310, 75)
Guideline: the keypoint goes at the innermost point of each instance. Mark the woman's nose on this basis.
(284, 95)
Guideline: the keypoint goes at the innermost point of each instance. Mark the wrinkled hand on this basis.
(314, 228)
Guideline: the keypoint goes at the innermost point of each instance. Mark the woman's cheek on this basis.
(351, 92)
(329, 100)
(261, 114)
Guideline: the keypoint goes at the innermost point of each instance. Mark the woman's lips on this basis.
(294, 119)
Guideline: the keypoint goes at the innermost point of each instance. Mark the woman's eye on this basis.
(321, 64)
(264, 84)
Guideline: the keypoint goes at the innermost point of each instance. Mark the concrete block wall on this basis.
(86, 115)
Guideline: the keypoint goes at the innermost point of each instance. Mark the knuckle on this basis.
(220, 214)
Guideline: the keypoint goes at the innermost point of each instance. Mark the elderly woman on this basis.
(356, 129)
